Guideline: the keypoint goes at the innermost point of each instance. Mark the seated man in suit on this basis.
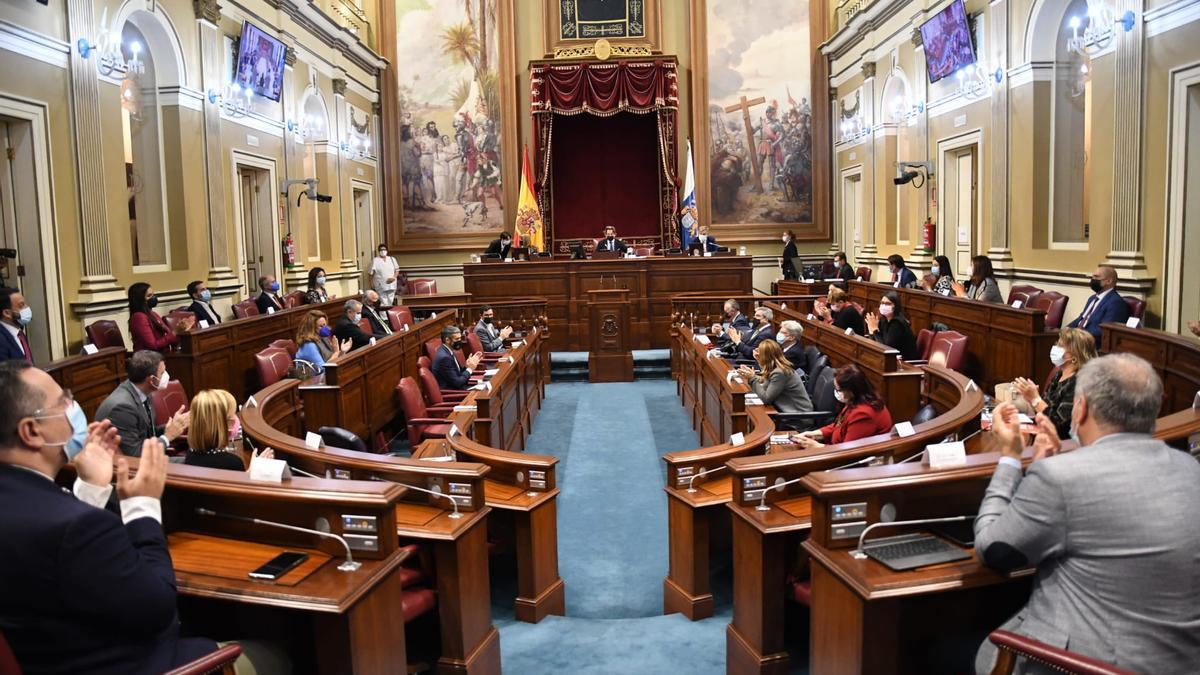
(347, 327)
(86, 590)
(844, 271)
(449, 374)
(1111, 526)
(268, 297)
(737, 320)
(129, 408)
(501, 246)
(705, 243)
(202, 303)
(789, 339)
(491, 338)
(15, 314)
(743, 343)
(610, 241)
(1105, 306)
(373, 310)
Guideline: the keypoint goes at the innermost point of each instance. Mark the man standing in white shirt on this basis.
(384, 271)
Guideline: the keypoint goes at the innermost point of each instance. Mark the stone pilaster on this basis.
(1125, 252)
(220, 274)
(865, 247)
(999, 248)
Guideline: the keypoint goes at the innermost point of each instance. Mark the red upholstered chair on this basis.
(220, 661)
(1013, 646)
(643, 251)
(166, 401)
(294, 299)
(272, 365)
(420, 425)
(288, 345)
(1025, 293)
(424, 362)
(423, 286)
(1137, 306)
(474, 344)
(431, 347)
(364, 324)
(924, 342)
(8, 660)
(245, 308)
(105, 333)
(828, 271)
(1054, 304)
(863, 273)
(175, 316)
(435, 398)
(950, 345)
(399, 317)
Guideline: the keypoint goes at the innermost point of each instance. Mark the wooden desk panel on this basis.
(91, 378)
(1175, 357)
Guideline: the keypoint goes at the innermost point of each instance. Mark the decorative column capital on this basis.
(207, 10)
(339, 86)
(289, 57)
(868, 70)
(376, 108)
(917, 40)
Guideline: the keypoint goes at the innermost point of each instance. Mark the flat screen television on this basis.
(260, 63)
(947, 40)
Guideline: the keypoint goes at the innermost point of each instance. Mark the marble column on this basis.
(999, 247)
(220, 274)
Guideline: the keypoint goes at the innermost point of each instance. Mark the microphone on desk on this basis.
(348, 565)
(762, 503)
(302, 472)
(443, 495)
(864, 460)
(859, 554)
(703, 472)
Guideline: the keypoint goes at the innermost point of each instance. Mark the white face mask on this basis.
(841, 397)
(163, 380)
(886, 310)
(837, 265)
(783, 238)
(1058, 355)
(383, 254)
(935, 271)
(781, 337)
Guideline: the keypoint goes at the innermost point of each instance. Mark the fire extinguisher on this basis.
(289, 251)
(927, 234)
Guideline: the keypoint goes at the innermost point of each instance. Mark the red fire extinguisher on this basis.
(289, 251)
(927, 234)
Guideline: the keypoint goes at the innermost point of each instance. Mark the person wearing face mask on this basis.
(15, 314)
(902, 277)
(490, 337)
(500, 247)
(940, 279)
(131, 411)
(982, 282)
(316, 345)
(450, 375)
(842, 266)
(704, 242)
(268, 299)
(1074, 348)
(384, 273)
(201, 306)
(86, 589)
(838, 310)
(315, 293)
(778, 385)
(1105, 306)
(215, 433)
(760, 330)
(863, 412)
(788, 338)
(610, 242)
(787, 261)
(1110, 526)
(348, 328)
(891, 327)
(146, 327)
(737, 321)
(373, 310)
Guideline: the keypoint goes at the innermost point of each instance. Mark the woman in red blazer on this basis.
(863, 412)
(147, 328)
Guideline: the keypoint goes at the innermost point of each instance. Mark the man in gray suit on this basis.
(1112, 527)
(491, 337)
(130, 410)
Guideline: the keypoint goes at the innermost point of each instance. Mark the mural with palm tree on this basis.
(450, 107)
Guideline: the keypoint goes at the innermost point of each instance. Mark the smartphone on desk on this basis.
(279, 565)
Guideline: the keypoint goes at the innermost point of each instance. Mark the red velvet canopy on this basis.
(605, 89)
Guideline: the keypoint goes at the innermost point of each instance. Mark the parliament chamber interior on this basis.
(600, 336)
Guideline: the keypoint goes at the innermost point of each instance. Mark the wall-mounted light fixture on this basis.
(977, 80)
(234, 101)
(109, 52)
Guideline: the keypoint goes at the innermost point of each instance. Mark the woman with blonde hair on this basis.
(1074, 348)
(214, 432)
(315, 342)
(778, 385)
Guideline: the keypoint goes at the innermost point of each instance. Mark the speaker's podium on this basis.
(609, 359)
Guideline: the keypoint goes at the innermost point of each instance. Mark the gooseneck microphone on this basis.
(703, 472)
(859, 554)
(348, 565)
(453, 501)
(762, 503)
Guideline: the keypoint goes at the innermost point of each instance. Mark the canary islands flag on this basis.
(528, 228)
(689, 219)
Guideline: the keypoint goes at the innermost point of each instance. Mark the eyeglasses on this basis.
(65, 400)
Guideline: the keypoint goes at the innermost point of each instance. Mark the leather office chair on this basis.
(1023, 292)
(105, 333)
(828, 271)
(245, 308)
(474, 344)
(423, 286)
(166, 401)
(399, 317)
(220, 661)
(811, 354)
(272, 365)
(924, 342)
(431, 348)
(951, 345)
(825, 405)
(1011, 646)
(175, 316)
(815, 366)
(337, 437)
(924, 414)
(287, 345)
(643, 251)
(863, 273)
(364, 324)
(420, 426)
(1054, 304)
(1137, 306)
(435, 398)
(424, 362)
(294, 299)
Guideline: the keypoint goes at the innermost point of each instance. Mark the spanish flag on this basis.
(528, 230)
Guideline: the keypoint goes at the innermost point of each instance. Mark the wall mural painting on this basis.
(760, 116)
(448, 59)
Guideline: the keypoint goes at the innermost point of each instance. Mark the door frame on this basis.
(945, 146)
(849, 234)
(376, 235)
(1181, 79)
(243, 158)
(36, 113)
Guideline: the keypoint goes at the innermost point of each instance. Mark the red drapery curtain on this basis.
(604, 89)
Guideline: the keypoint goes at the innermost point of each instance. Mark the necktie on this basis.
(1087, 313)
(149, 411)
(25, 345)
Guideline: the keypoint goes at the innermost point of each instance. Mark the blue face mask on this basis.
(780, 337)
(320, 281)
(79, 426)
(936, 271)
(324, 331)
(274, 286)
(206, 295)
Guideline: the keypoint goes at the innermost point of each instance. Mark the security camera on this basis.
(310, 190)
(906, 171)
(905, 177)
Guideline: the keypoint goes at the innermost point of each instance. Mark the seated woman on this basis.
(839, 311)
(1074, 348)
(316, 287)
(891, 327)
(944, 275)
(215, 432)
(316, 344)
(788, 338)
(146, 327)
(778, 385)
(983, 284)
(863, 413)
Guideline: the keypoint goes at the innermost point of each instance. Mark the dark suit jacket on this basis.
(1111, 309)
(751, 339)
(617, 245)
(495, 248)
(204, 312)
(265, 300)
(379, 323)
(347, 330)
(850, 318)
(128, 415)
(789, 267)
(740, 322)
(846, 272)
(10, 349)
(897, 334)
(449, 374)
(82, 591)
(795, 356)
(710, 244)
(907, 278)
